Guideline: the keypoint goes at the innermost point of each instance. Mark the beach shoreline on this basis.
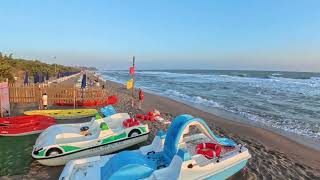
(272, 143)
(254, 100)
(312, 143)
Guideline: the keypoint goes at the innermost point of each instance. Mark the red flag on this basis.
(131, 70)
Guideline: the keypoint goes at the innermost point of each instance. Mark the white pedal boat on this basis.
(64, 142)
(171, 156)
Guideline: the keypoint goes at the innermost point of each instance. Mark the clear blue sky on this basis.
(224, 34)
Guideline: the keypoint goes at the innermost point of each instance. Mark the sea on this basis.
(285, 102)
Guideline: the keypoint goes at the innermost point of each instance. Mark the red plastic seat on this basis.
(112, 100)
(208, 150)
(140, 116)
(146, 117)
(131, 122)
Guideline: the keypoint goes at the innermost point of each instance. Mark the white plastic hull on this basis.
(92, 151)
(222, 170)
(219, 171)
(23, 134)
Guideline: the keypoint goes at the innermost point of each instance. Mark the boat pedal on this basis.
(161, 166)
(218, 159)
(151, 152)
(240, 148)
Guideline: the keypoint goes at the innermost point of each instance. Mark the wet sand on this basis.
(273, 156)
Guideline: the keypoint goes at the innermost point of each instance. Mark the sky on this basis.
(165, 34)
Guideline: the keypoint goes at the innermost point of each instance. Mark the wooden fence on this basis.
(56, 93)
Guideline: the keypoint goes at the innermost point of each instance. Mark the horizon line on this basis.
(210, 70)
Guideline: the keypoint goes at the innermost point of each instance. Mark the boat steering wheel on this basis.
(84, 128)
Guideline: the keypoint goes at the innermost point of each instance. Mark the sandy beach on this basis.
(273, 156)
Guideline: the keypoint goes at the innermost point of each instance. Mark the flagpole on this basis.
(133, 78)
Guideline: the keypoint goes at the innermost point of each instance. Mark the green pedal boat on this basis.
(61, 143)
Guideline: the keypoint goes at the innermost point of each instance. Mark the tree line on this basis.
(11, 67)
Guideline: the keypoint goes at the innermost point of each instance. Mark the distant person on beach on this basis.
(45, 101)
(91, 83)
(141, 98)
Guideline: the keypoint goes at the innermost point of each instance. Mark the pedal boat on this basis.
(64, 142)
(175, 155)
(64, 113)
(23, 119)
(24, 125)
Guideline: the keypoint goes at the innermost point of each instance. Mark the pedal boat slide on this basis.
(174, 155)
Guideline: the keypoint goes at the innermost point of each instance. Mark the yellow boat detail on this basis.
(64, 113)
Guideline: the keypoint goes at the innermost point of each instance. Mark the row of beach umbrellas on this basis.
(63, 74)
(40, 77)
(37, 77)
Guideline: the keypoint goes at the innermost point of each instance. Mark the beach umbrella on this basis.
(40, 77)
(36, 77)
(84, 81)
(26, 78)
(47, 76)
(43, 77)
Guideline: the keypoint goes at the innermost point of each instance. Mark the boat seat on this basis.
(116, 123)
(160, 158)
(95, 129)
(128, 165)
(130, 123)
(108, 111)
(132, 165)
(208, 150)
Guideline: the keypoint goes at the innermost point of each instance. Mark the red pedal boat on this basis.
(90, 103)
(24, 125)
(23, 119)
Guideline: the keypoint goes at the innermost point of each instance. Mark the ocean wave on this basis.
(112, 78)
(308, 87)
(288, 104)
(193, 99)
(315, 78)
(276, 74)
(239, 76)
(287, 125)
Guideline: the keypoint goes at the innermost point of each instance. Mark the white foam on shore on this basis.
(193, 99)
